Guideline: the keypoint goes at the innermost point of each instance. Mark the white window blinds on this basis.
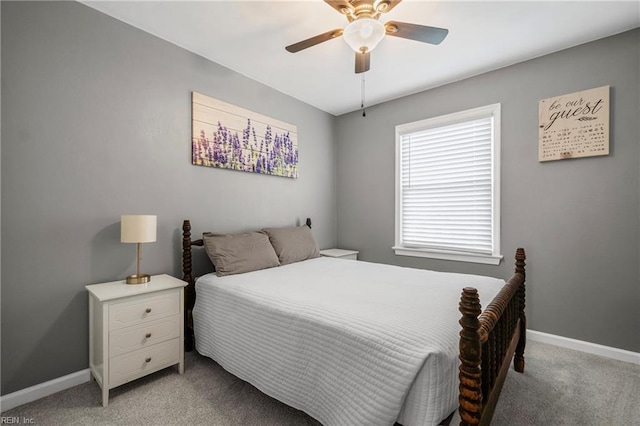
(446, 186)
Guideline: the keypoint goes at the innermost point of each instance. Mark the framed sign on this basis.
(574, 125)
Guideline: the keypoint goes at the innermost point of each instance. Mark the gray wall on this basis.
(96, 122)
(579, 219)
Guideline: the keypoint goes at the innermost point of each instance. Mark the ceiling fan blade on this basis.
(342, 6)
(362, 61)
(385, 6)
(431, 35)
(301, 45)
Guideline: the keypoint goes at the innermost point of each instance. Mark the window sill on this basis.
(448, 255)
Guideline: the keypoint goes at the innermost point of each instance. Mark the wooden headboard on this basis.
(187, 270)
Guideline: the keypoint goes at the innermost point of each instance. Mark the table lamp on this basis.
(138, 228)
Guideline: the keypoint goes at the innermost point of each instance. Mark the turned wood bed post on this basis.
(189, 291)
(518, 360)
(186, 251)
(470, 398)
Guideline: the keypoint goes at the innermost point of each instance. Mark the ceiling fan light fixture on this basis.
(364, 33)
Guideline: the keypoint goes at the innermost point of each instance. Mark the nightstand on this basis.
(340, 253)
(135, 330)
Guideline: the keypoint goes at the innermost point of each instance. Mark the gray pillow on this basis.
(238, 253)
(293, 244)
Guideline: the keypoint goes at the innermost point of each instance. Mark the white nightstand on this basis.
(340, 253)
(135, 330)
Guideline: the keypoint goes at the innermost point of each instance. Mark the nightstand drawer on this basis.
(144, 309)
(130, 366)
(128, 339)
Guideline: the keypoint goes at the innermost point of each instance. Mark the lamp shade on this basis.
(138, 228)
(364, 33)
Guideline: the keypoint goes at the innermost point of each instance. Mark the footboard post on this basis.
(189, 292)
(518, 360)
(470, 398)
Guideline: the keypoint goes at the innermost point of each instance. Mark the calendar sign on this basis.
(574, 125)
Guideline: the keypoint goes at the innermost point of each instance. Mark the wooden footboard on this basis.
(488, 341)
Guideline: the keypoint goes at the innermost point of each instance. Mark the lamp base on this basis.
(138, 279)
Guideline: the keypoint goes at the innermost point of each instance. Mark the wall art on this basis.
(230, 137)
(574, 125)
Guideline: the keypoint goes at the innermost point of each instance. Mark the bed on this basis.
(336, 339)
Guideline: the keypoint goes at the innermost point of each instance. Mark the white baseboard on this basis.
(32, 393)
(582, 346)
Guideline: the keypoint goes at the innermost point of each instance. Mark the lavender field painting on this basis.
(230, 137)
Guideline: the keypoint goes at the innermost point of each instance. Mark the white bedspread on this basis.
(341, 340)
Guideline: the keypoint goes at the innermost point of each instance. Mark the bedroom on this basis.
(96, 120)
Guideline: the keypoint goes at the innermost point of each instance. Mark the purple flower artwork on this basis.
(230, 137)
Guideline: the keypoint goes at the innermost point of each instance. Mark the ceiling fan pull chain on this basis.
(362, 90)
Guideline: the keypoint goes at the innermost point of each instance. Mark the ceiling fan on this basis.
(364, 31)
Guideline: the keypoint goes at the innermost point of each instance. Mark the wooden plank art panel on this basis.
(574, 125)
(230, 137)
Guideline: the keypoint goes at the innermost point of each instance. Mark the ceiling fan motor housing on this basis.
(358, 9)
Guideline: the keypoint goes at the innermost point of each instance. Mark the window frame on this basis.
(494, 111)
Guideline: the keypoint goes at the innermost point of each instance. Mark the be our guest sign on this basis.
(574, 125)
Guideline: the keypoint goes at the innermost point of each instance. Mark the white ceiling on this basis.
(249, 37)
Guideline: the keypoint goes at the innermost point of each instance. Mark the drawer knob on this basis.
(148, 359)
(147, 335)
(148, 310)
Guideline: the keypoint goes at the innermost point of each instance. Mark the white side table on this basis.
(135, 330)
(340, 253)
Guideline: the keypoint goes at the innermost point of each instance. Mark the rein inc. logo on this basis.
(16, 420)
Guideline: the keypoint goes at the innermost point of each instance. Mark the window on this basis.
(448, 187)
